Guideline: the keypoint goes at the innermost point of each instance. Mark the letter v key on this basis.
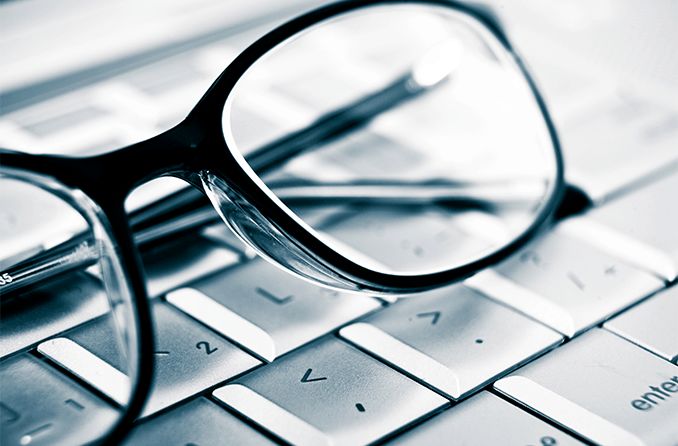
(307, 377)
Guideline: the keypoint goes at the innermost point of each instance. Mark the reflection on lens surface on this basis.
(58, 386)
(417, 137)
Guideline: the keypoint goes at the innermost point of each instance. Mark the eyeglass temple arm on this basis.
(489, 196)
(188, 209)
(81, 251)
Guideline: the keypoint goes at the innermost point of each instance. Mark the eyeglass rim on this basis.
(198, 144)
(253, 189)
(97, 215)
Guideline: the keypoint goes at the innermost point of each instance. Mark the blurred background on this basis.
(88, 76)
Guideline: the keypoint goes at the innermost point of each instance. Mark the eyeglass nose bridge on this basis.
(258, 232)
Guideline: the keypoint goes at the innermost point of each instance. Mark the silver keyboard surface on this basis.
(572, 340)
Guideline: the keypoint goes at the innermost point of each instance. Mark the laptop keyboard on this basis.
(573, 339)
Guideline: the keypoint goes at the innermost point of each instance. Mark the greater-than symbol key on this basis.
(307, 377)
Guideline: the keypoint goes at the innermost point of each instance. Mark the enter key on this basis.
(604, 388)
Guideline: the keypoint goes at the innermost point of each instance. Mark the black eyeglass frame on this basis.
(198, 144)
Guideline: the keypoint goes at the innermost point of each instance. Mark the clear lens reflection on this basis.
(73, 386)
(417, 137)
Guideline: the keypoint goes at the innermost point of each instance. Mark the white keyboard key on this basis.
(266, 310)
(565, 283)
(329, 392)
(220, 234)
(333, 89)
(604, 388)
(189, 358)
(151, 192)
(653, 324)
(221, 319)
(198, 422)
(32, 221)
(48, 310)
(176, 263)
(640, 227)
(276, 419)
(166, 76)
(252, 130)
(468, 422)
(567, 88)
(90, 368)
(453, 339)
(348, 157)
(403, 241)
(40, 406)
(617, 141)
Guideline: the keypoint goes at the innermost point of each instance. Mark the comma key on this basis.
(604, 388)
(467, 423)
(198, 422)
(314, 396)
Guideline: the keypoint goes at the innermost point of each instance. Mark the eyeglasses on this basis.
(414, 151)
